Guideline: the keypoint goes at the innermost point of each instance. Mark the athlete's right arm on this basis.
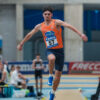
(28, 36)
(3, 76)
(33, 64)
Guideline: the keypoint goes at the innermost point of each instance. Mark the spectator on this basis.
(3, 75)
(5, 63)
(12, 69)
(38, 66)
(97, 94)
(17, 79)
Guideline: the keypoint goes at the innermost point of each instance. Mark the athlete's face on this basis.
(47, 15)
(18, 68)
(13, 68)
(38, 57)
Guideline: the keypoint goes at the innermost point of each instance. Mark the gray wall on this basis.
(48, 1)
(92, 51)
(8, 31)
(95, 36)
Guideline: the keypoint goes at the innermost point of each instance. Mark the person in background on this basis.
(5, 64)
(38, 66)
(12, 69)
(3, 75)
(97, 94)
(17, 79)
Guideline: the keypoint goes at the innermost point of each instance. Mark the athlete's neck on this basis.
(38, 59)
(48, 22)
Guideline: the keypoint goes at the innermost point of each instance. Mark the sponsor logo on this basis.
(85, 66)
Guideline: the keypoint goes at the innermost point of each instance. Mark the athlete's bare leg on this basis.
(23, 84)
(56, 80)
(51, 59)
(36, 85)
(40, 85)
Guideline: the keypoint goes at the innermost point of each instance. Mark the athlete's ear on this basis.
(43, 14)
(51, 14)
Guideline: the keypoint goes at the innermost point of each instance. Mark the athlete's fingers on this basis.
(19, 47)
(84, 37)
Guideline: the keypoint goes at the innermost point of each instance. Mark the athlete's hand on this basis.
(43, 67)
(19, 47)
(33, 67)
(84, 37)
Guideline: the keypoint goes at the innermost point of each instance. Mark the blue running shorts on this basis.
(59, 54)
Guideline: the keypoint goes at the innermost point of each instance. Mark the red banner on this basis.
(84, 67)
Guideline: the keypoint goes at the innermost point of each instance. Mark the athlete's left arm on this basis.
(42, 67)
(65, 24)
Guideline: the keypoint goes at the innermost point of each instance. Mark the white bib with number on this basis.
(51, 42)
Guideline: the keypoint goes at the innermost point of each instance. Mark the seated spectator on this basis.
(5, 64)
(3, 75)
(12, 69)
(17, 79)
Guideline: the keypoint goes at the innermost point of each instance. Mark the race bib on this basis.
(51, 39)
(38, 66)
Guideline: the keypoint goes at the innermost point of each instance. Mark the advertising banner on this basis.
(26, 67)
(84, 68)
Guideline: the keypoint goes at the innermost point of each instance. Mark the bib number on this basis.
(51, 39)
(51, 42)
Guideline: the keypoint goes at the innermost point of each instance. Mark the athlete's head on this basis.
(38, 56)
(47, 13)
(18, 68)
(12, 68)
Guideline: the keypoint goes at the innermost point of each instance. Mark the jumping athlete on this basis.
(52, 34)
(38, 66)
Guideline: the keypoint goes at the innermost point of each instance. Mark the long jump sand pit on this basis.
(68, 95)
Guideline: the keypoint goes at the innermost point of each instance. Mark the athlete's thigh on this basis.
(59, 62)
(51, 57)
(50, 54)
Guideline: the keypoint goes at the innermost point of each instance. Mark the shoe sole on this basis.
(49, 84)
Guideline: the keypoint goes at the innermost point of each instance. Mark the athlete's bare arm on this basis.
(28, 36)
(65, 24)
(3, 77)
(33, 65)
(42, 67)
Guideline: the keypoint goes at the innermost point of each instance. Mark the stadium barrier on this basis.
(91, 68)
(26, 67)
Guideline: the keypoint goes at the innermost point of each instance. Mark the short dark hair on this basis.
(48, 9)
(18, 67)
(37, 54)
(12, 66)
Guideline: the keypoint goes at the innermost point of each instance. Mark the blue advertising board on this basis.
(26, 67)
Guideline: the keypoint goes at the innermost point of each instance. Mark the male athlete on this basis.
(52, 34)
(38, 66)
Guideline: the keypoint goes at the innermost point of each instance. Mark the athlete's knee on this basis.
(51, 58)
